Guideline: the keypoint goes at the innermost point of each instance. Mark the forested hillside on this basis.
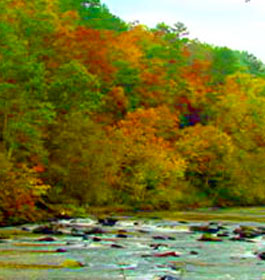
(98, 112)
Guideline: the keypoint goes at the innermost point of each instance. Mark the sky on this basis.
(236, 24)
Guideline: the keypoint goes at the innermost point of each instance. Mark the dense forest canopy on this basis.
(95, 111)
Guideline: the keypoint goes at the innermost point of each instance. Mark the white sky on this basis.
(231, 23)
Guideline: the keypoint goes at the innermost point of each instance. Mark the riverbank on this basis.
(255, 214)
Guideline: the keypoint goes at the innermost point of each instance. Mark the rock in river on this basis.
(47, 239)
(209, 237)
(108, 221)
(169, 277)
(46, 230)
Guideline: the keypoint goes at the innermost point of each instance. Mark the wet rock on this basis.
(108, 221)
(194, 252)
(169, 277)
(85, 237)
(96, 239)
(183, 222)
(262, 256)
(167, 254)
(95, 230)
(248, 232)
(171, 238)
(121, 235)
(211, 228)
(48, 239)
(160, 237)
(117, 246)
(47, 230)
(209, 237)
(61, 250)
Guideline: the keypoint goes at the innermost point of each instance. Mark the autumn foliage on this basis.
(98, 112)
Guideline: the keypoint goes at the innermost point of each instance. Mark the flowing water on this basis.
(133, 249)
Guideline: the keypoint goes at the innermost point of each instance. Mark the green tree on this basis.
(94, 15)
(80, 162)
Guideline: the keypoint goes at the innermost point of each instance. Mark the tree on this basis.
(150, 172)
(74, 88)
(207, 151)
(93, 14)
(80, 161)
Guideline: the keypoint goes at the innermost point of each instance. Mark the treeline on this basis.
(98, 112)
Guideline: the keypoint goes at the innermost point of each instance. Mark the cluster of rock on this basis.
(160, 243)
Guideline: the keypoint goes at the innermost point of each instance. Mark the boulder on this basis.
(210, 228)
(248, 232)
(47, 229)
(61, 250)
(209, 237)
(169, 277)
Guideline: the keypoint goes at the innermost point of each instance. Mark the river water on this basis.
(133, 249)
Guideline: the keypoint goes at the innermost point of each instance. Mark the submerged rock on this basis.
(48, 239)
